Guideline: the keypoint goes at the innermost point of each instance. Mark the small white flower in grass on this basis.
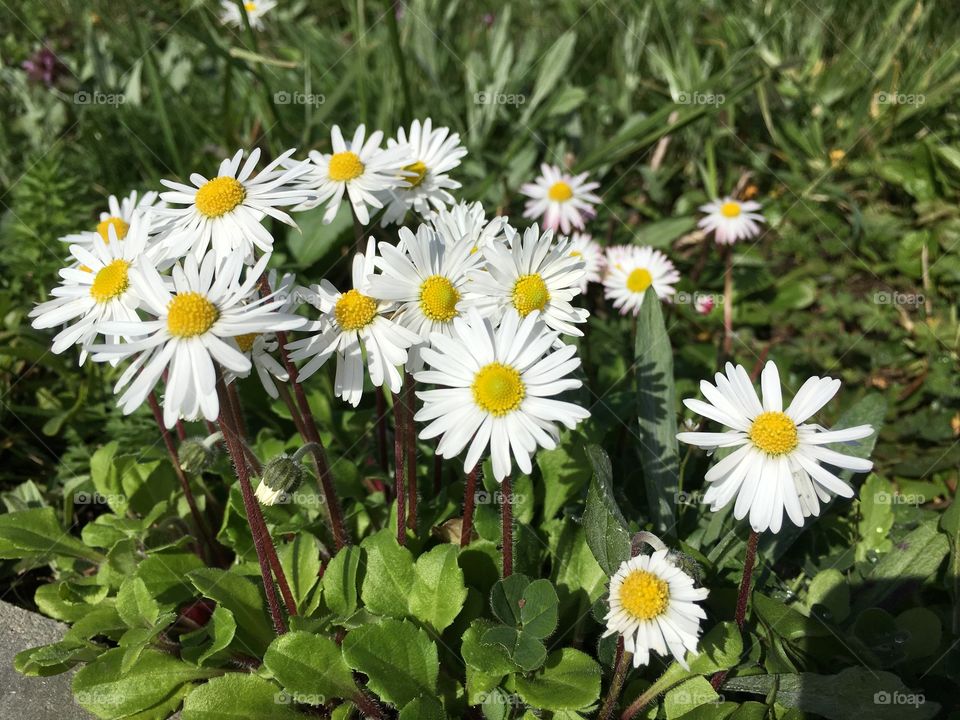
(532, 273)
(776, 465)
(255, 10)
(354, 323)
(468, 220)
(563, 201)
(210, 303)
(496, 390)
(731, 220)
(434, 153)
(97, 289)
(361, 170)
(584, 247)
(227, 211)
(119, 215)
(653, 605)
(627, 281)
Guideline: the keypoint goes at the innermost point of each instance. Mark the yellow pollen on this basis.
(576, 253)
(250, 6)
(354, 310)
(730, 209)
(774, 432)
(245, 341)
(219, 196)
(644, 595)
(560, 192)
(639, 280)
(119, 226)
(420, 170)
(498, 389)
(110, 281)
(345, 166)
(190, 314)
(439, 298)
(530, 293)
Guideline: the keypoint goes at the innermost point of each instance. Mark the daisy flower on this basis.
(361, 169)
(97, 289)
(562, 200)
(354, 323)
(615, 255)
(627, 281)
(496, 390)
(776, 465)
(468, 220)
(119, 215)
(427, 280)
(227, 211)
(530, 274)
(255, 10)
(584, 247)
(731, 220)
(653, 605)
(210, 303)
(434, 153)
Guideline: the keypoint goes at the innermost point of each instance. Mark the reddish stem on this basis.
(469, 500)
(620, 667)
(437, 473)
(381, 426)
(506, 517)
(743, 597)
(411, 451)
(398, 467)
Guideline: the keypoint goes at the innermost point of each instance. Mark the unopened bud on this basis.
(281, 475)
(198, 454)
(686, 563)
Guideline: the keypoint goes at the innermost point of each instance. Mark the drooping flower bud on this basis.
(198, 454)
(281, 475)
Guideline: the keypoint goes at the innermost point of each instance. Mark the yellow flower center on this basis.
(219, 196)
(644, 595)
(576, 253)
(530, 293)
(245, 341)
(439, 298)
(354, 310)
(190, 314)
(421, 172)
(774, 432)
(250, 6)
(345, 166)
(498, 389)
(110, 281)
(560, 192)
(119, 226)
(639, 280)
(730, 209)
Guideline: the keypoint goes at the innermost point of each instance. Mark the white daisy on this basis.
(227, 211)
(627, 281)
(776, 463)
(583, 246)
(496, 390)
(119, 215)
(615, 255)
(563, 201)
(653, 605)
(210, 303)
(731, 220)
(434, 153)
(532, 273)
(354, 323)
(97, 288)
(255, 10)
(361, 169)
(468, 220)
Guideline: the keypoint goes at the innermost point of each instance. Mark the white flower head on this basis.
(468, 220)
(653, 605)
(119, 215)
(355, 323)
(227, 211)
(496, 388)
(731, 220)
(626, 282)
(560, 200)
(776, 465)
(255, 10)
(584, 247)
(434, 153)
(532, 273)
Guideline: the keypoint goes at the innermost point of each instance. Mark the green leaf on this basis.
(570, 680)
(438, 591)
(918, 556)
(239, 696)
(528, 605)
(657, 416)
(165, 575)
(388, 576)
(829, 588)
(923, 631)
(950, 525)
(315, 238)
(37, 534)
(136, 605)
(565, 470)
(489, 658)
(340, 581)
(525, 651)
(55, 658)
(688, 695)
(876, 518)
(551, 69)
(423, 708)
(606, 530)
(662, 233)
(244, 599)
(221, 628)
(310, 667)
(399, 659)
(301, 564)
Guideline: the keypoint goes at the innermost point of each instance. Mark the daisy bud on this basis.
(198, 454)
(281, 475)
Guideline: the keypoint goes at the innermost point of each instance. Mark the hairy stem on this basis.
(743, 597)
(620, 668)
(506, 518)
(413, 496)
(469, 500)
(399, 466)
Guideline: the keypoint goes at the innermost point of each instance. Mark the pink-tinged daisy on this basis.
(730, 220)
(559, 200)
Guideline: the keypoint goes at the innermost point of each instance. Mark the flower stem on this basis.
(381, 426)
(743, 597)
(398, 467)
(411, 452)
(620, 669)
(437, 473)
(728, 304)
(469, 500)
(506, 517)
